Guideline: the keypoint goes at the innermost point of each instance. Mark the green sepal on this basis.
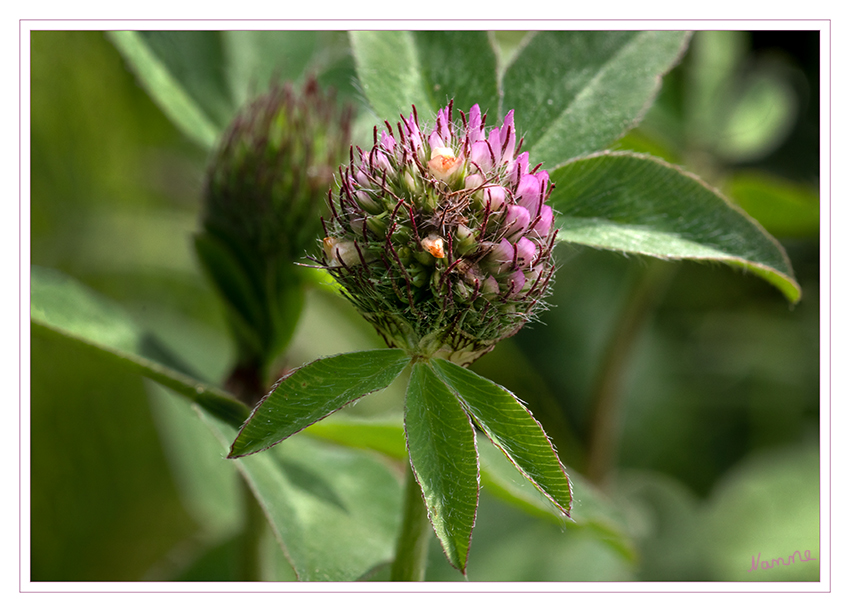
(263, 299)
(244, 306)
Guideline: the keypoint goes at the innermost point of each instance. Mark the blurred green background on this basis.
(717, 459)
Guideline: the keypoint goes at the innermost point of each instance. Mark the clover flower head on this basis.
(442, 239)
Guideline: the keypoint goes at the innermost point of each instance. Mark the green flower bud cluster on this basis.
(264, 195)
(266, 184)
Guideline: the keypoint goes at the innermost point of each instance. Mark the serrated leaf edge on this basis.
(469, 419)
(486, 430)
(277, 383)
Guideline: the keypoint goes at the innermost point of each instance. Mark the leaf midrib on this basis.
(604, 69)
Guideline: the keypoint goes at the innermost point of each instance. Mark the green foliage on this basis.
(441, 444)
(331, 497)
(200, 78)
(86, 320)
(334, 512)
(181, 104)
(425, 69)
(97, 473)
(592, 512)
(576, 92)
(573, 93)
(511, 427)
(314, 391)
(638, 204)
(499, 476)
(786, 209)
(61, 306)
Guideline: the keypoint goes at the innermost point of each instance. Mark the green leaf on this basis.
(441, 444)
(639, 204)
(388, 69)
(208, 486)
(200, 78)
(398, 69)
(103, 504)
(61, 306)
(385, 438)
(576, 92)
(783, 207)
(312, 392)
(511, 427)
(460, 66)
(181, 71)
(256, 57)
(592, 511)
(334, 511)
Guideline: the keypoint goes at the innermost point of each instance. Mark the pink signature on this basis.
(805, 557)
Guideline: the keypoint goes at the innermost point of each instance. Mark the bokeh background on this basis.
(717, 456)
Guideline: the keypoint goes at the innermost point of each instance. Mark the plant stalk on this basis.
(246, 383)
(606, 398)
(253, 527)
(412, 547)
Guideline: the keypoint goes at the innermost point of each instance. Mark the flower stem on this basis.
(245, 382)
(605, 404)
(250, 543)
(412, 547)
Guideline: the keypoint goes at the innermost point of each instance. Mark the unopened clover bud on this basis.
(542, 224)
(266, 187)
(516, 221)
(424, 257)
(500, 257)
(515, 282)
(525, 252)
(491, 286)
(268, 180)
(493, 196)
(473, 181)
(451, 232)
(369, 204)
